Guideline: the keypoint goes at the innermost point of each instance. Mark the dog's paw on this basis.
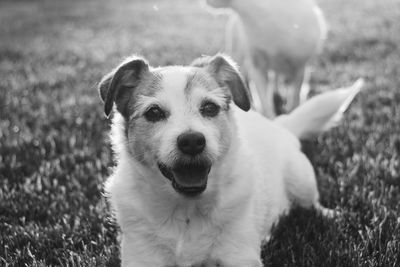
(325, 212)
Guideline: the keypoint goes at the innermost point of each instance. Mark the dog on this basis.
(274, 40)
(200, 178)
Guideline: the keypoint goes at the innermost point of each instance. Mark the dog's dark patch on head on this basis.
(226, 74)
(202, 79)
(198, 77)
(148, 86)
(121, 86)
(137, 129)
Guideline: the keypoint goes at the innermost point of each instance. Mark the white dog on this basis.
(274, 35)
(199, 181)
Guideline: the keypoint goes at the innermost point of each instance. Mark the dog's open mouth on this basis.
(188, 179)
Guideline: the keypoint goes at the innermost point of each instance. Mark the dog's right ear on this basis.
(119, 83)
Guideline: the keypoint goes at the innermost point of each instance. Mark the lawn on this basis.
(55, 153)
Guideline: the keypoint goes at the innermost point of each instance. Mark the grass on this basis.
(54, 153)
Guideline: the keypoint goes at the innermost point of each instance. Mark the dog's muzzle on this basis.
(188, 179)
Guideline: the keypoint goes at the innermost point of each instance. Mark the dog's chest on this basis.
(188, 238)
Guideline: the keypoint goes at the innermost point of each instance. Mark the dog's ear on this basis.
(119, 83)
(226, 73)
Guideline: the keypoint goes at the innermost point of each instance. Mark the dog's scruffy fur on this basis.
(208, 203)
(274, 35)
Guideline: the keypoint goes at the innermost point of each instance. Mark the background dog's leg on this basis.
(279, 96)
(293, 99)
(265, 92)
(305, 86)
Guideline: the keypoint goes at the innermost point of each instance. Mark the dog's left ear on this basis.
(225, 72)
(119, 83)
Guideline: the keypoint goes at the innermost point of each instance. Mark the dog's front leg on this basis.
(236, 254)
(137, 252)
(264, 91)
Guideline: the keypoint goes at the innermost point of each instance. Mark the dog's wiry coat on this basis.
(257, 172)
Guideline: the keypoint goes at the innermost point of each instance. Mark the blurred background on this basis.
(55, 154)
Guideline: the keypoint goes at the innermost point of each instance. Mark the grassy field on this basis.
(54, 152)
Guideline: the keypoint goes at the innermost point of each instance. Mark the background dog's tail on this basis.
(320, 113)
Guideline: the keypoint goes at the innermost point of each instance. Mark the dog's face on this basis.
(178, 119)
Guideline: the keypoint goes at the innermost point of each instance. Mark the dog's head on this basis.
(177, 119)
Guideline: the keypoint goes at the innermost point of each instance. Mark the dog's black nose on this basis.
(191, 143)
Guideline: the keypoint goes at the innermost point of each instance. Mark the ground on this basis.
(55, 154)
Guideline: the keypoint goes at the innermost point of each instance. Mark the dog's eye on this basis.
(154, 114)
(209, 109)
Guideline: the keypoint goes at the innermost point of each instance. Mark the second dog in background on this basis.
(275, 37)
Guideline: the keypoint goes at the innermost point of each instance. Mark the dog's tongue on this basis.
(191, 175)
